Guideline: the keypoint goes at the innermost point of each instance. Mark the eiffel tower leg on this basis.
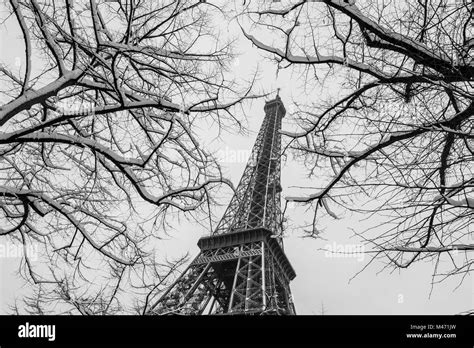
(264, 275)
(192, 292)
(232, 295)
(277, 294)
(187, 295)
(248, 290)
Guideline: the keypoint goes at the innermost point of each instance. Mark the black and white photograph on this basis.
(235, 165)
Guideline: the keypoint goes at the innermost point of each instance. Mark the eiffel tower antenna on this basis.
(242, 268)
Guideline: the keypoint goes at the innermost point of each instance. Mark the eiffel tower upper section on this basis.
(256, 201)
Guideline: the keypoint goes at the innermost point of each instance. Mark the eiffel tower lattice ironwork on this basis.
(242, 268)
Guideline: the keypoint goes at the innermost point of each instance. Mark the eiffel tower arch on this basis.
(242, 267)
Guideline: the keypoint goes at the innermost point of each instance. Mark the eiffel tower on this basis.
(242, 267)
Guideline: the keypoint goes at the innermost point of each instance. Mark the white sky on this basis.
(320, 279)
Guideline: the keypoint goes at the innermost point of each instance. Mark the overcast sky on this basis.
(322, 279)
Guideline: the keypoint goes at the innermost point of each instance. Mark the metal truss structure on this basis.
(242, 268)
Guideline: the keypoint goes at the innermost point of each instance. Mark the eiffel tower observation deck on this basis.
(242, 267)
